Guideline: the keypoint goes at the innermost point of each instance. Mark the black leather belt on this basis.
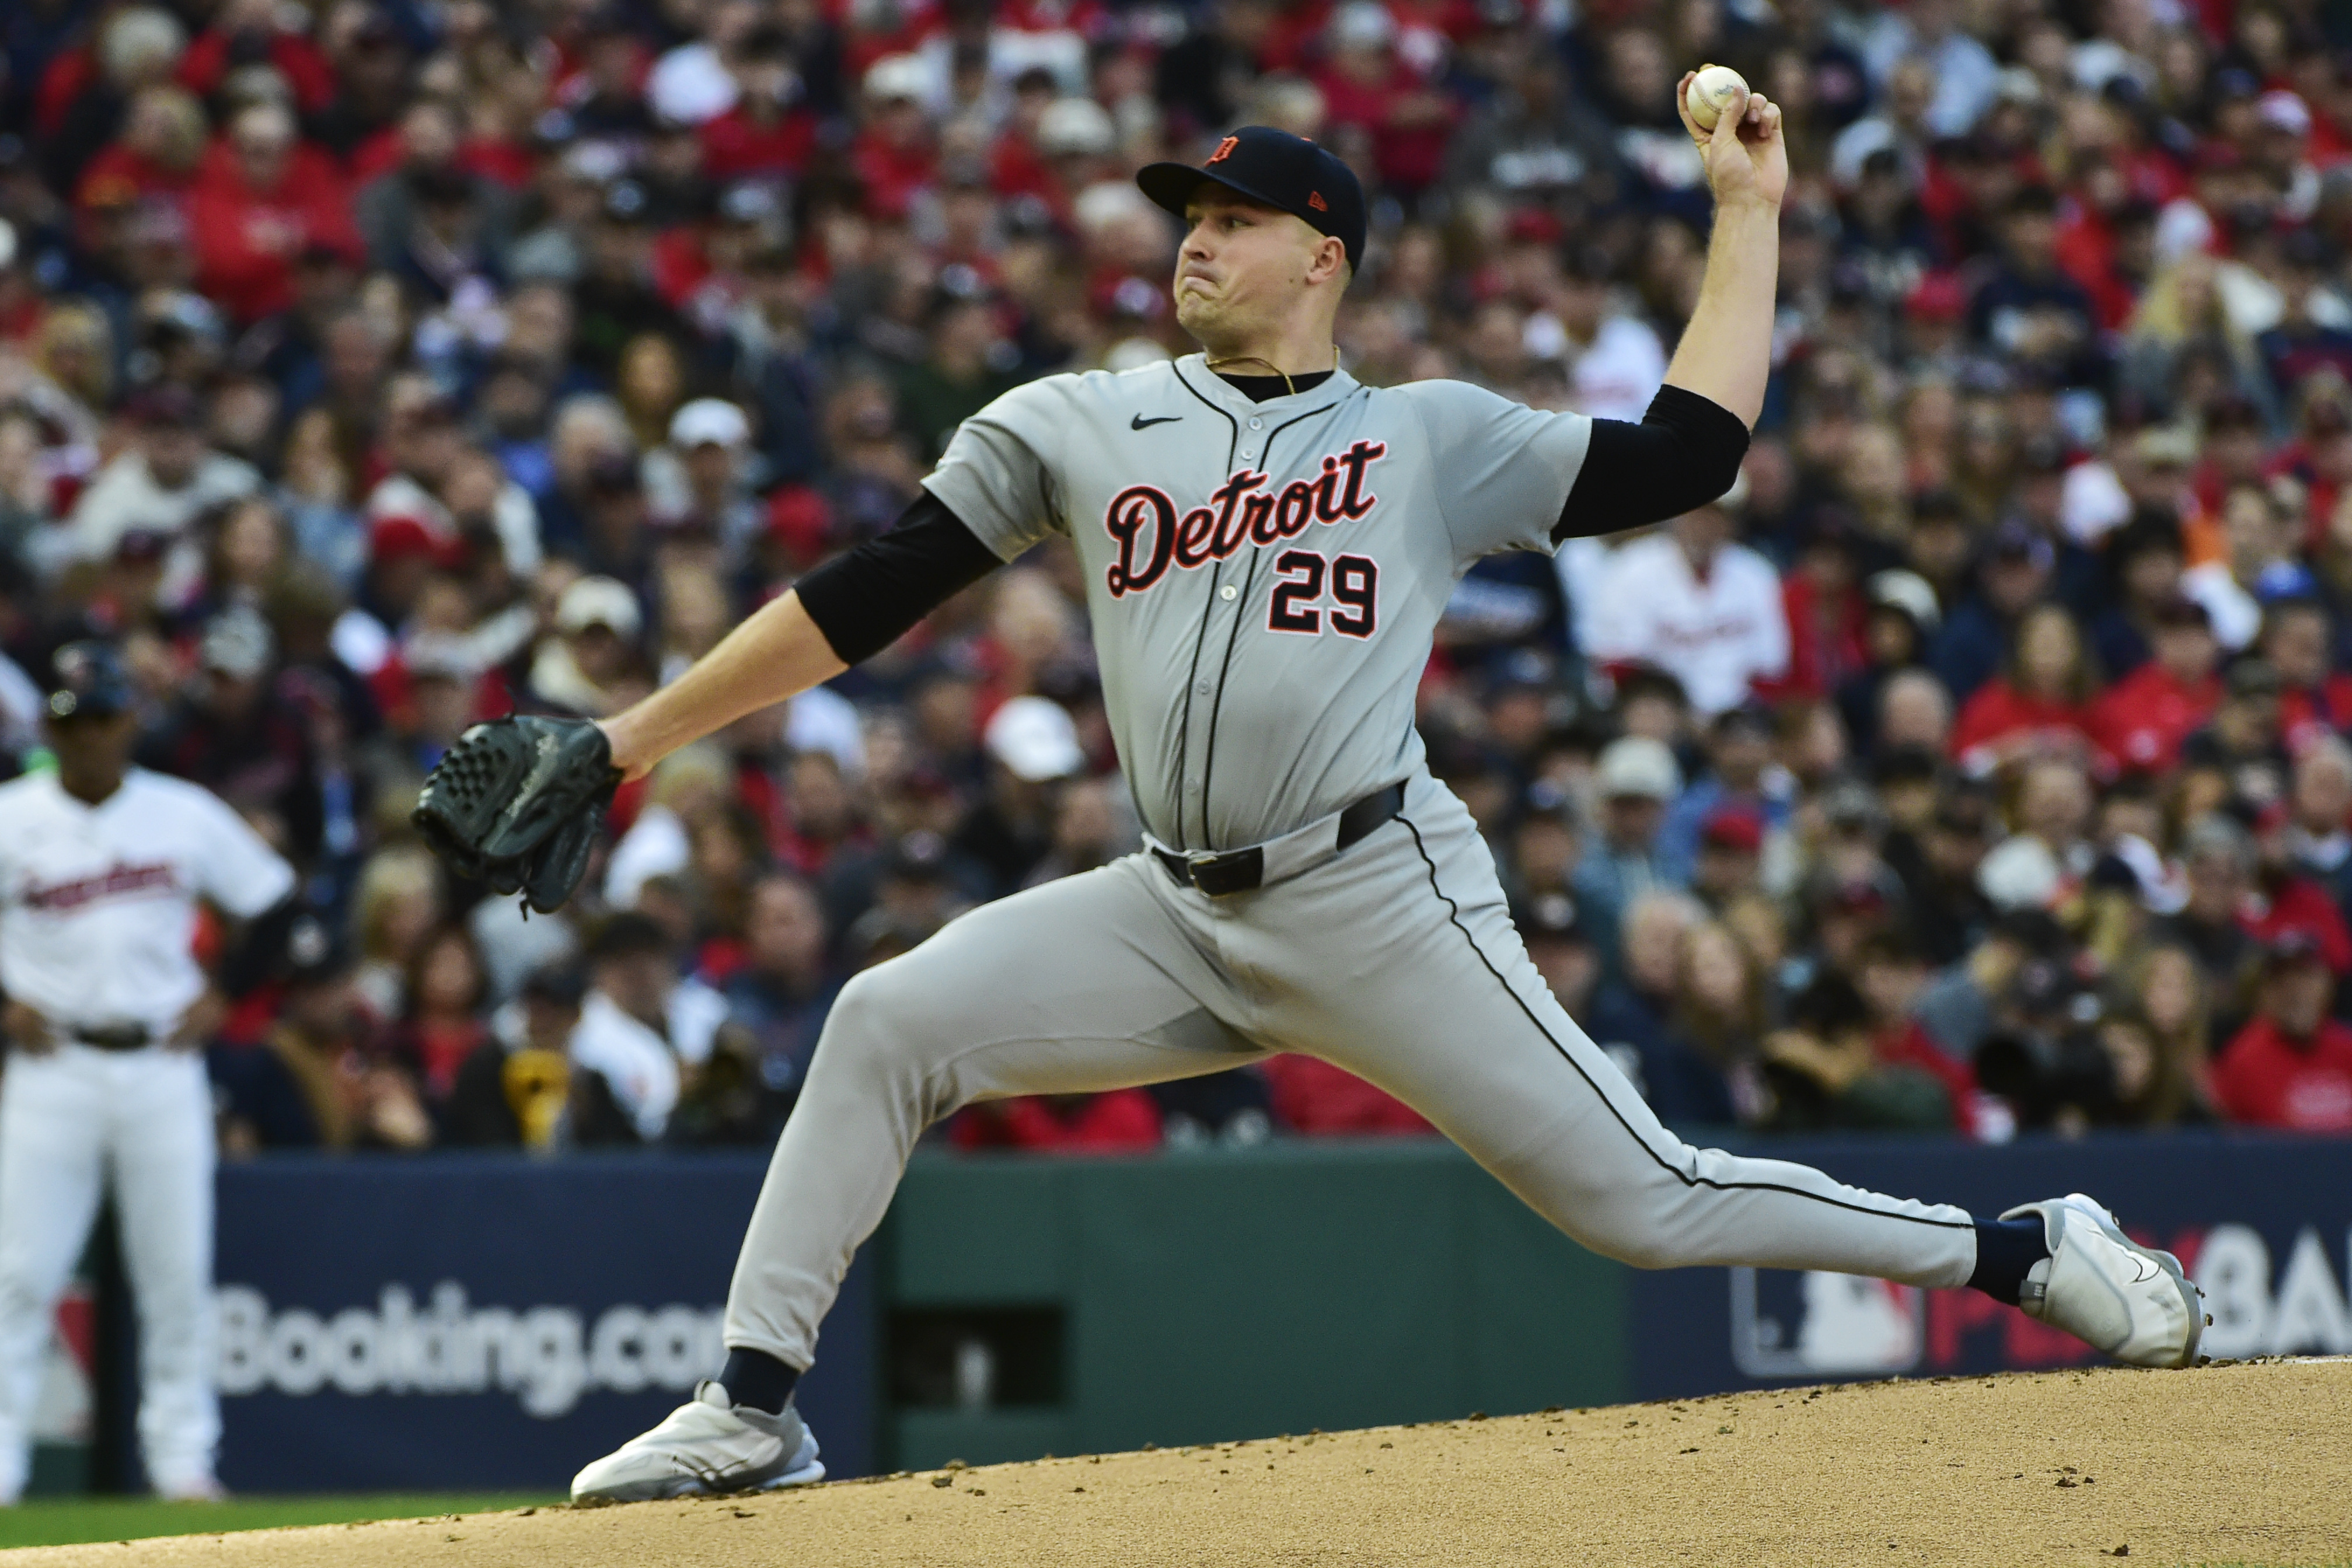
(113, 1036)
(1244, 871)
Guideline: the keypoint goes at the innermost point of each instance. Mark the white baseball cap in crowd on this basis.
(599, 602)
(709, 421)
(440, 655)
(595, 162)
(1909, 592)
(1363, 24)
(1075, 126)
(2020, 873)
(898, 77)
(1035, 739)
(238, 643)
(1637, 765)
(2279, 110)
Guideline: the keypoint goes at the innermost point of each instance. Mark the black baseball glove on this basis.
(517, 803)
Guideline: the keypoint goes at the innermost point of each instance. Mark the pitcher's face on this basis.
(1242, 269)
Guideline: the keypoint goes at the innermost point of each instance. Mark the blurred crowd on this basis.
(369, 367)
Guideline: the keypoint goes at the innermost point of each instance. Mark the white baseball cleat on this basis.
(2099, 1285)
(189, 1486)
(708, 1444)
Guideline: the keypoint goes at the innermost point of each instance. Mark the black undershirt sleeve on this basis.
(869, 598)
(1686, 453)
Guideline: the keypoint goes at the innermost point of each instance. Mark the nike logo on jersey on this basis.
(1153, 538)
(1139, 422)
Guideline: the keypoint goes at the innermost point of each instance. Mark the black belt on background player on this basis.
(1244, 871)
(112, 1036)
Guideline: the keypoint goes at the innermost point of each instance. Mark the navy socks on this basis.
(2006, 1248)
(755, 1378)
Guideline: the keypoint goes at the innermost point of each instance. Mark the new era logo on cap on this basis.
(1315, 200)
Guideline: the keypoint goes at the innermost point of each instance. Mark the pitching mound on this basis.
(2247, 1463)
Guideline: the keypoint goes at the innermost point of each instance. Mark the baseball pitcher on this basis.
(1268, 545)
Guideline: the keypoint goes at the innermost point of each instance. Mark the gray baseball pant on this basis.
(1395, 959)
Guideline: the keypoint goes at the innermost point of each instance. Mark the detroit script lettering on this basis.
(1151, 536)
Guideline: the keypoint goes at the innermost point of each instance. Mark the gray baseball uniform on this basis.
(1265, 580)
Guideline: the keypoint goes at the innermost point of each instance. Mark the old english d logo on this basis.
(1224, 149)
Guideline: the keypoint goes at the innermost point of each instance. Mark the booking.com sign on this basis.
(546, 1357)
(1799, 1325)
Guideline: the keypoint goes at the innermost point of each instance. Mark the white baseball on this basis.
(1713, 91)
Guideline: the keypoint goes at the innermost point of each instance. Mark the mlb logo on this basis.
(1790, 1324)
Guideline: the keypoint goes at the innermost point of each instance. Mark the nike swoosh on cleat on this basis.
(1139, 422)
(2147, 1270)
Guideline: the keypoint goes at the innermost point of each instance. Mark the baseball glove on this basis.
(517, 803)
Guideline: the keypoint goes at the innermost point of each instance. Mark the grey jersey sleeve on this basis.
(997, 474)
(1503, 470)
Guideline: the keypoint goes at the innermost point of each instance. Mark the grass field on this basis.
(63, 1521)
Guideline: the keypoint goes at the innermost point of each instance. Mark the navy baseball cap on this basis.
(90, 682)
(1274, 169)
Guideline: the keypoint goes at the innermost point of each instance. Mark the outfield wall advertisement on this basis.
(495, 1321)
(2263, 1224)
(484, 1322)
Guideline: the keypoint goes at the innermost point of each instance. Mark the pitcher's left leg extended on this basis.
(1404, 970)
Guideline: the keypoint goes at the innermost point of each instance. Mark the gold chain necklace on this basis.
(1289, 387)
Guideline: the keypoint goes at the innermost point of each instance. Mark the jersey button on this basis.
(1203, 689)
(1227, 591)
(1257, 425)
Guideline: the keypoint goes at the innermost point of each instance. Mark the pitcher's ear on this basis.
(1331, 258)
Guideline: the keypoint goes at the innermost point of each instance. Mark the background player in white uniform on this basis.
(1267, 558)
(100, 868)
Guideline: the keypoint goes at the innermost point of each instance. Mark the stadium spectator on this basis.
(778, 998)
(256, 210)
(2141, 721)
(2037, 706)
(1636, 777)
(2290, 1067)
(444, 1024)
(1694, 604)
(623, 1033)
(163, 479)
(321, 1079)
(1639, 1018)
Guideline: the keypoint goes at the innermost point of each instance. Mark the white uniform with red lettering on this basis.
(98, 912)
(1718, 634)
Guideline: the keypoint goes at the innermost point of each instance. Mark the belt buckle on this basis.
(1206, 871)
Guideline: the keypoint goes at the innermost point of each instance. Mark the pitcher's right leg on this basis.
(1078, 985)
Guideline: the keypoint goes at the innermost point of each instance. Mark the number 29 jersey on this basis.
(1264, 578)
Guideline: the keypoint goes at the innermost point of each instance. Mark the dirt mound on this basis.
(2242, 1463)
